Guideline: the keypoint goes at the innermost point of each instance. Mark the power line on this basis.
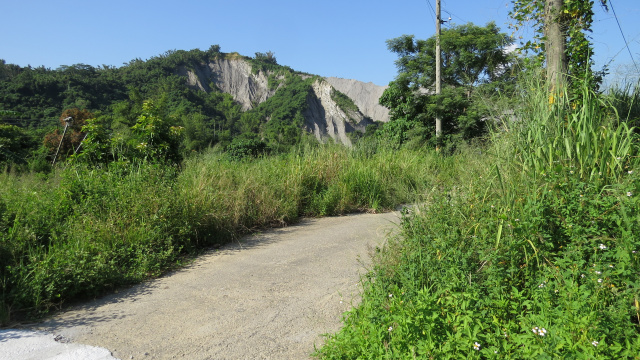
(623, 37)
(452, 15)
(433, 12)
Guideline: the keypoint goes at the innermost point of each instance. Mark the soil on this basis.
(269, 296)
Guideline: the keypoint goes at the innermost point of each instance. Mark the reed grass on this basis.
(583, 132)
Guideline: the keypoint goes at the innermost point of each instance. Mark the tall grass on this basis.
(584, 132)
(626, 100)
(522, 253)
(81, 231)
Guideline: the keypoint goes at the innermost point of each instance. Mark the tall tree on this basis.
(561, 28)
(471, 56)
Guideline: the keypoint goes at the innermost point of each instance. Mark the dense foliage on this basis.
(473, 59)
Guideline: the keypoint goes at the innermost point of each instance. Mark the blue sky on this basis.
(343, 38)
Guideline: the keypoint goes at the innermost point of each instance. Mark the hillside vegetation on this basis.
(32, 101)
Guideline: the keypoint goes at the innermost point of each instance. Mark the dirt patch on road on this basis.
(269, 296)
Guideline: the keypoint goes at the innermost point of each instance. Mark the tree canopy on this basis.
(472, 57)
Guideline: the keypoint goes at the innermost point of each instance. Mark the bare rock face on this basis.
(364, 95)
(325, 119)
(234, 77)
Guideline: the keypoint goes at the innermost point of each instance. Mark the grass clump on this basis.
(530, 251)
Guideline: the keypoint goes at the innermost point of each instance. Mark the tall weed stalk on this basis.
(583, 133)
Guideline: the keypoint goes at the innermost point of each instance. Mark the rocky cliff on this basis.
(323, 117)
(232, 76)
(364, 95)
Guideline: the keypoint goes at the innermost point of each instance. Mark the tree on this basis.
(471, 56)
(155, 138)
(269, 57)
(561, 28)
(14, 144)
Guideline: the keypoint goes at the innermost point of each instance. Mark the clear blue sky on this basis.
(343, 38)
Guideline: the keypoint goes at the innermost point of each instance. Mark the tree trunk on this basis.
(438, 75)
(555, 45)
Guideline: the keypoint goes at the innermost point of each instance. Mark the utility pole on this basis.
(438, 75)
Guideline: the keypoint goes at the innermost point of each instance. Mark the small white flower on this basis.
(541, 285)
(476, 346)
(611, 266)
(598, 272)
(633, 252)
(603, 247)
(582, 276)
(539, 331)
(630, 172)
(390, 295)
(629, 193)
(599, 280)
(595, 343)
(390, 329)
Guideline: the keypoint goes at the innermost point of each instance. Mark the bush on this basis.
(241, 149)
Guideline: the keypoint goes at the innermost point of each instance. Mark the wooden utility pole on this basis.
(438, 75)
